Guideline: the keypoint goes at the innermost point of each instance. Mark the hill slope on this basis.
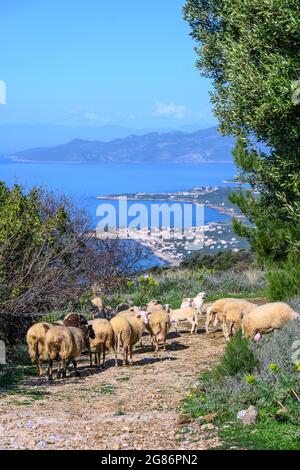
(203, 146)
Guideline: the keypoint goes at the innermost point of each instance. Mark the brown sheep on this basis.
(36, 337)
(158, 327)
(75, 319)
(64, 344)
(101, 336)
(233, 314)
(138, 319)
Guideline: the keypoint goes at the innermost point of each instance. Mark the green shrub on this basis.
(284, 283)
(238, 357)
(221, 261)
(264, 374)
(170, 286)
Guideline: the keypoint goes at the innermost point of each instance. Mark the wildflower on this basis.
(250, 379)
(190, 395)
(298, 366)
(274, 368)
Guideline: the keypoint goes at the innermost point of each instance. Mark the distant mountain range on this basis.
(16, 137)
(202, 146)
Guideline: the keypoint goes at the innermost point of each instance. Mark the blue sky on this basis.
(96, 62)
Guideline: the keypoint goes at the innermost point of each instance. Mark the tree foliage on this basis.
(251, 51)
(49, 257)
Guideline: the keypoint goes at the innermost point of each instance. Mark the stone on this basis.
(207, 418)
(41, 444)
(207, 427)
(248, 416)
(116, 446)
(183, 419)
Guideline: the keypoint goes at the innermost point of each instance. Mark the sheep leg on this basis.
(234, 329)
(116, 358)
(207, 323)
(195, 326)
(75, 367)
(50, 370)
(225, 330)
(103, 354)
(215, 322)
(39, 367)
(64, 368)
(124, 356)
(59, 369)
(130, 354)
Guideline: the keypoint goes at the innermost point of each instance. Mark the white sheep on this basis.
(266, 318)
(64, 344)
(187, 302)
(194, 302)
(101, 337)
(186, 314)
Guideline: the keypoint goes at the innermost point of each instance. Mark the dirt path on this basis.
(118, 408)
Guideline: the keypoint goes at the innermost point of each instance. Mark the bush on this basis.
(238, 357)
(44, 255)
(49, 258)
(284, 282)
(171, 286)
(221, 261)
(266, 376)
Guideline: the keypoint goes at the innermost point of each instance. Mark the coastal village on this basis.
(174, 245)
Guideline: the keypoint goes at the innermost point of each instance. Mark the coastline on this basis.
(216, 235)
(190, 196)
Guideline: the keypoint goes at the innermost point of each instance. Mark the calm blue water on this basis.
(83, 182)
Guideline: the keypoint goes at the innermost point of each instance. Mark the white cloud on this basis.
(170, 110)
(85, 114)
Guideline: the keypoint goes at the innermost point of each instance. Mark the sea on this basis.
(84, 182)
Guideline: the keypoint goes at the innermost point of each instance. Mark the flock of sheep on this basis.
(64, 340)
